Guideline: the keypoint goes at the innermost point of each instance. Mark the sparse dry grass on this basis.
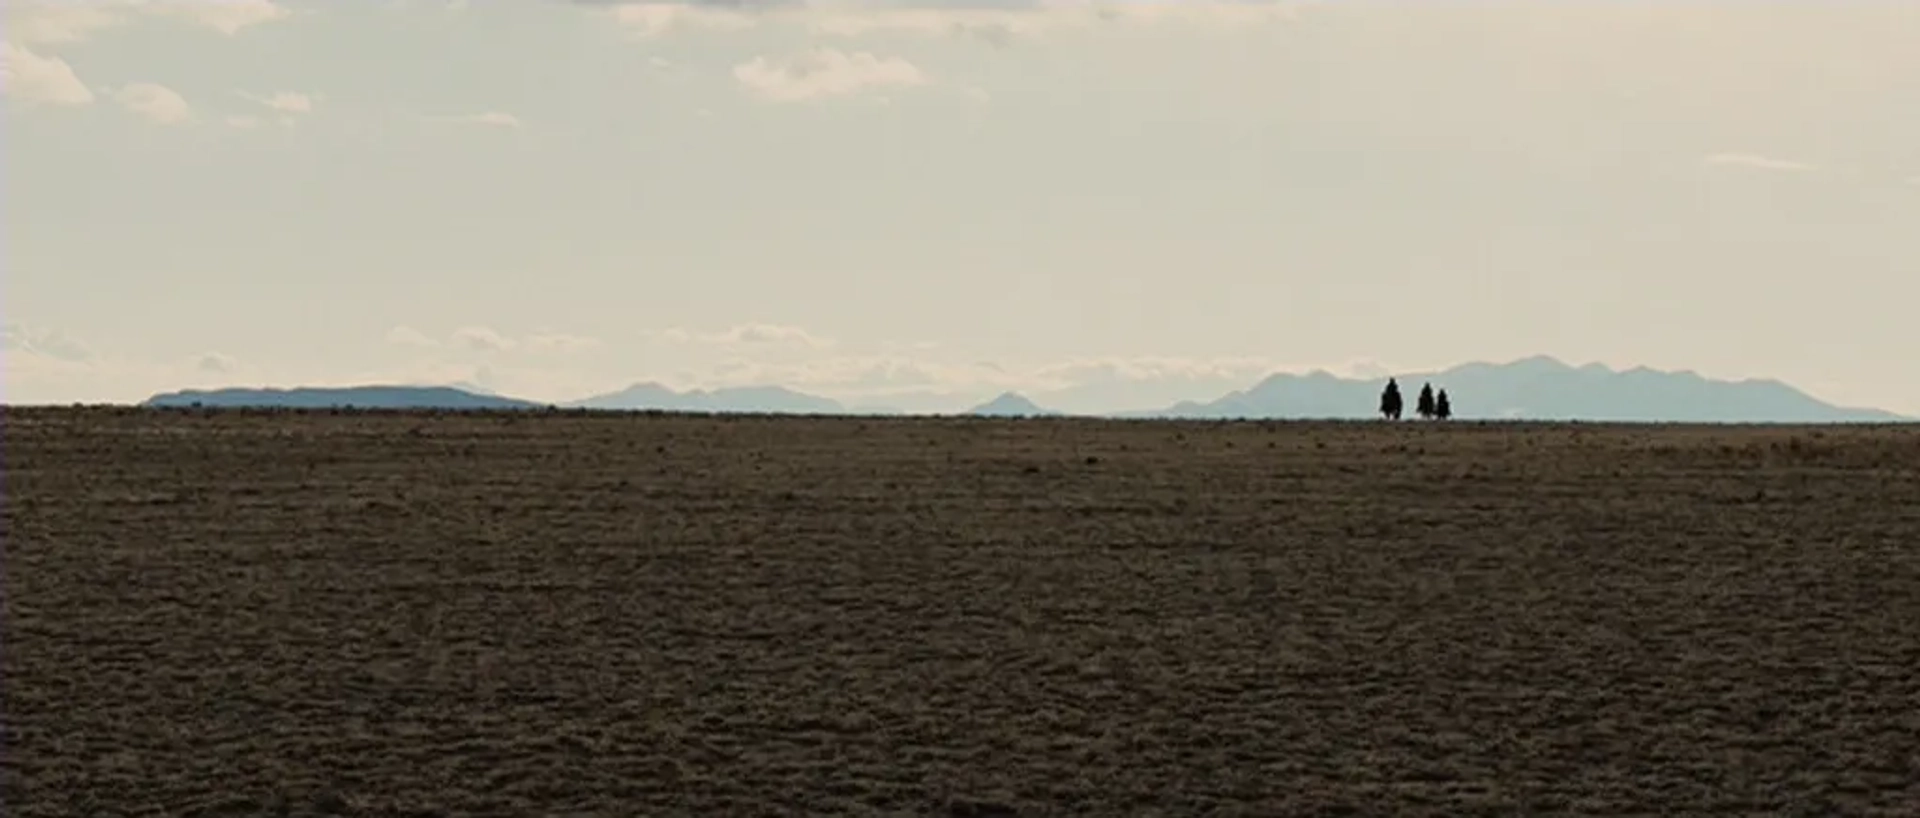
(381, 614)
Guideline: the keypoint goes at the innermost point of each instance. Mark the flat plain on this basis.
(554, 613)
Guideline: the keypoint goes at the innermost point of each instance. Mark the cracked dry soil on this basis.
(591, 614)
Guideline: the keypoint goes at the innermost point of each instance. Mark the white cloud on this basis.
(864, 376)
(825, 72)
(560, 342)
(482, 339)
(157, 103)
(488, 340)
(244, 121)
(652, 19)
(36, 80)
(216, 362)
(1221, 12)
(408, 336)
(748, 334)
(444, 6)
(46, 366)
(25, 340)
(1756, 161)
(997, 23)
(47, 22)
(493, 119)
(1079, 371)
(286, 102)
(225, 16)
(997, 27)
(773, 334)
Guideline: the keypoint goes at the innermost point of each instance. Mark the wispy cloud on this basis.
(490, 119)
(483, 339)
(216, 362)
(48, 23)
(996, 23)
(487, 340)
(286, 102)
(409, 337)
(653, 19)
(225, 16)
(39, 80)
(1757, 161)
(48, 366)
(747, 334)
(30, 75)
(19, 338)
(560, 342)
(51, 22)
(825, 72)
(156, 103)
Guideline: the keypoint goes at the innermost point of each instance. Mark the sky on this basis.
(864, 200)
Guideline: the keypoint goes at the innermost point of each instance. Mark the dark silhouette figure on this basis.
(1442, 408)
(1390, 400)
(1425, 405)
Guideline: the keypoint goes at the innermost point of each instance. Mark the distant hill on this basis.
(1010, 404)
(1538, 388)
(757, 399)
(360, 397)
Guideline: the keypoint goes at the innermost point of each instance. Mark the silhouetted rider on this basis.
(1390, 403)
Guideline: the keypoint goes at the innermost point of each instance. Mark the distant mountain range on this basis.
(1537, 388)
(762, 399)
(1010, 405)
(366, 397)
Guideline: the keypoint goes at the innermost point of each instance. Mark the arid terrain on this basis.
(595, 614)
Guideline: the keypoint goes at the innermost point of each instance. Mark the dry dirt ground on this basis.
(572, 614)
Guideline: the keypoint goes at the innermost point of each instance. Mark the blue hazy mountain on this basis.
(359, 397)
(1537, 388)
(755, 399)
(1011, 404)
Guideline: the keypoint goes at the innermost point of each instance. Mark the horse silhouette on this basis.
(1390, 403)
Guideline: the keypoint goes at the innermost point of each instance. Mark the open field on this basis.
(560, 614)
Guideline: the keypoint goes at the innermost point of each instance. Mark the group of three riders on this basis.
(1429, 405)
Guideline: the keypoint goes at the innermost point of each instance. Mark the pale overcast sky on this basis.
(555, 198)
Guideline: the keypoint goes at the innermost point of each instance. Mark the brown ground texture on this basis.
(595, 614)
